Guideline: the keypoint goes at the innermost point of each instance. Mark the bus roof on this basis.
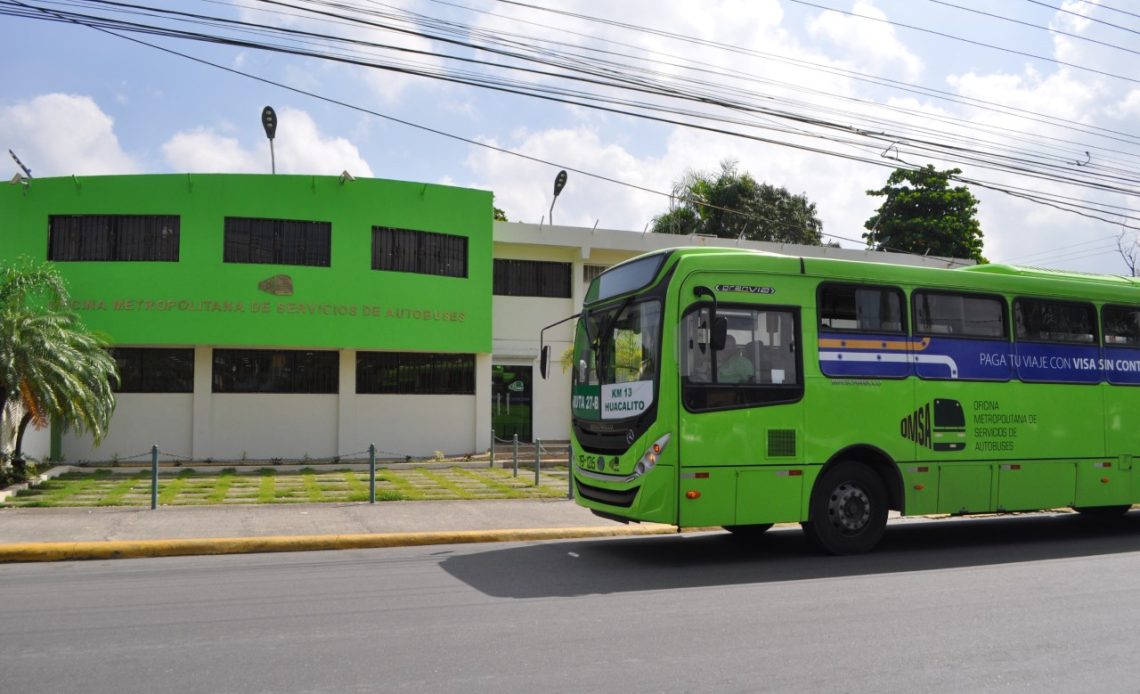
(1007, 279)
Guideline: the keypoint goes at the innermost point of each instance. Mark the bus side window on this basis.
(861, 308)
(758, 365)
(1121, 326)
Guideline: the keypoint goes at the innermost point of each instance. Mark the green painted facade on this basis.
(201, 300)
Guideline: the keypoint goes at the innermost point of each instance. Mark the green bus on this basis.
(735, 388)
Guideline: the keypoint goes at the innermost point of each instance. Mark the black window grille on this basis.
(154, 370)
(532, 278)
(415, 373)
(277, 241)
(113, 237)
(1040, 320)
(421, 252)
(276, 371)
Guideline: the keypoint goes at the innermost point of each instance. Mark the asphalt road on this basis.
(1010, 604)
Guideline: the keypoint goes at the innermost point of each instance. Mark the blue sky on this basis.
(78, 101)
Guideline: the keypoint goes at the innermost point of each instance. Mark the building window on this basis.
(1039, 320)
(275, 371)
(154, 370)
(421, 252)
(861, 308)
(277, 241)
(113, 237)
(959, 315)
(591, 272)
(532, 278)
(415, 373)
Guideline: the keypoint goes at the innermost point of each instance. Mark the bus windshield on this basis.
(615, 361)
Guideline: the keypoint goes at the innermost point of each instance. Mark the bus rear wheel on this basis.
(848, 511)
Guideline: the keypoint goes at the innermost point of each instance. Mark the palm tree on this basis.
(50, 364)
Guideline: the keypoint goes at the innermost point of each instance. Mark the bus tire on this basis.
(1102, 512)
(748, 532)
(848, 510)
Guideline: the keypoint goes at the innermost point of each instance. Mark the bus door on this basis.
(740, 423)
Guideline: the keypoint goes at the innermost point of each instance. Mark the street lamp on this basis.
(559, 184)
(269, 122)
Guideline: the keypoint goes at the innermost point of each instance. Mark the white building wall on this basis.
(264, 425)
(141, 420)
(517, 324)
(482, 403)
(415, 425)
(36, 444)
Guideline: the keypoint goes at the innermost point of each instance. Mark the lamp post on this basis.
(559, 184)
(269, 122)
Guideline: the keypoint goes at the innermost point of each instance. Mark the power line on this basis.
(1110, 9)
(439, 132)
(564, 97)
(1083, 16)
(972, 42)
(852, 74)
(1035, 26)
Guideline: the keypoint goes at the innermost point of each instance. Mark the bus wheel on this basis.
(848, 511)
(1102, 512)
(748, 532)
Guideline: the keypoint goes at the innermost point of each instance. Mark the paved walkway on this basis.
(46, 534)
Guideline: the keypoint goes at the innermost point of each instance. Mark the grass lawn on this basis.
(268, 486)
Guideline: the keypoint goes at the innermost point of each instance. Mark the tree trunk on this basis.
(17, 450)
(18, 463)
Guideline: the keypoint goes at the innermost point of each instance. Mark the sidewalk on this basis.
(53, 534)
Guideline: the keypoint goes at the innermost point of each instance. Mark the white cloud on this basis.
(525, 189)
(1127, 108)
(204, 151)
(378, 45)
(299, 147)
(64, 134)
(871, 45)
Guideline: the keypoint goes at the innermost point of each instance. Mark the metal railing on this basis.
(155, 454)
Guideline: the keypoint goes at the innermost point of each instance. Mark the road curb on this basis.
(129, 549)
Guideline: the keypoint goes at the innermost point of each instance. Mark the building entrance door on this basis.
(511, 401)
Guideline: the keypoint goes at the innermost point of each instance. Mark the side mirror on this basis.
(544, 361)
(719, 333)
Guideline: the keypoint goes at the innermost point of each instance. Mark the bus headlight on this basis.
(649, 458)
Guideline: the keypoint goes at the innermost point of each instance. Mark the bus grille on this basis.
(607, 496)
(781, 443)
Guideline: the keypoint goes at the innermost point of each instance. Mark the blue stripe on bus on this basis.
(978, 360)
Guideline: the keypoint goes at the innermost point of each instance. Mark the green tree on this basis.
(730, 204)
(499, 215)
(51, 366)
(923, 214)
